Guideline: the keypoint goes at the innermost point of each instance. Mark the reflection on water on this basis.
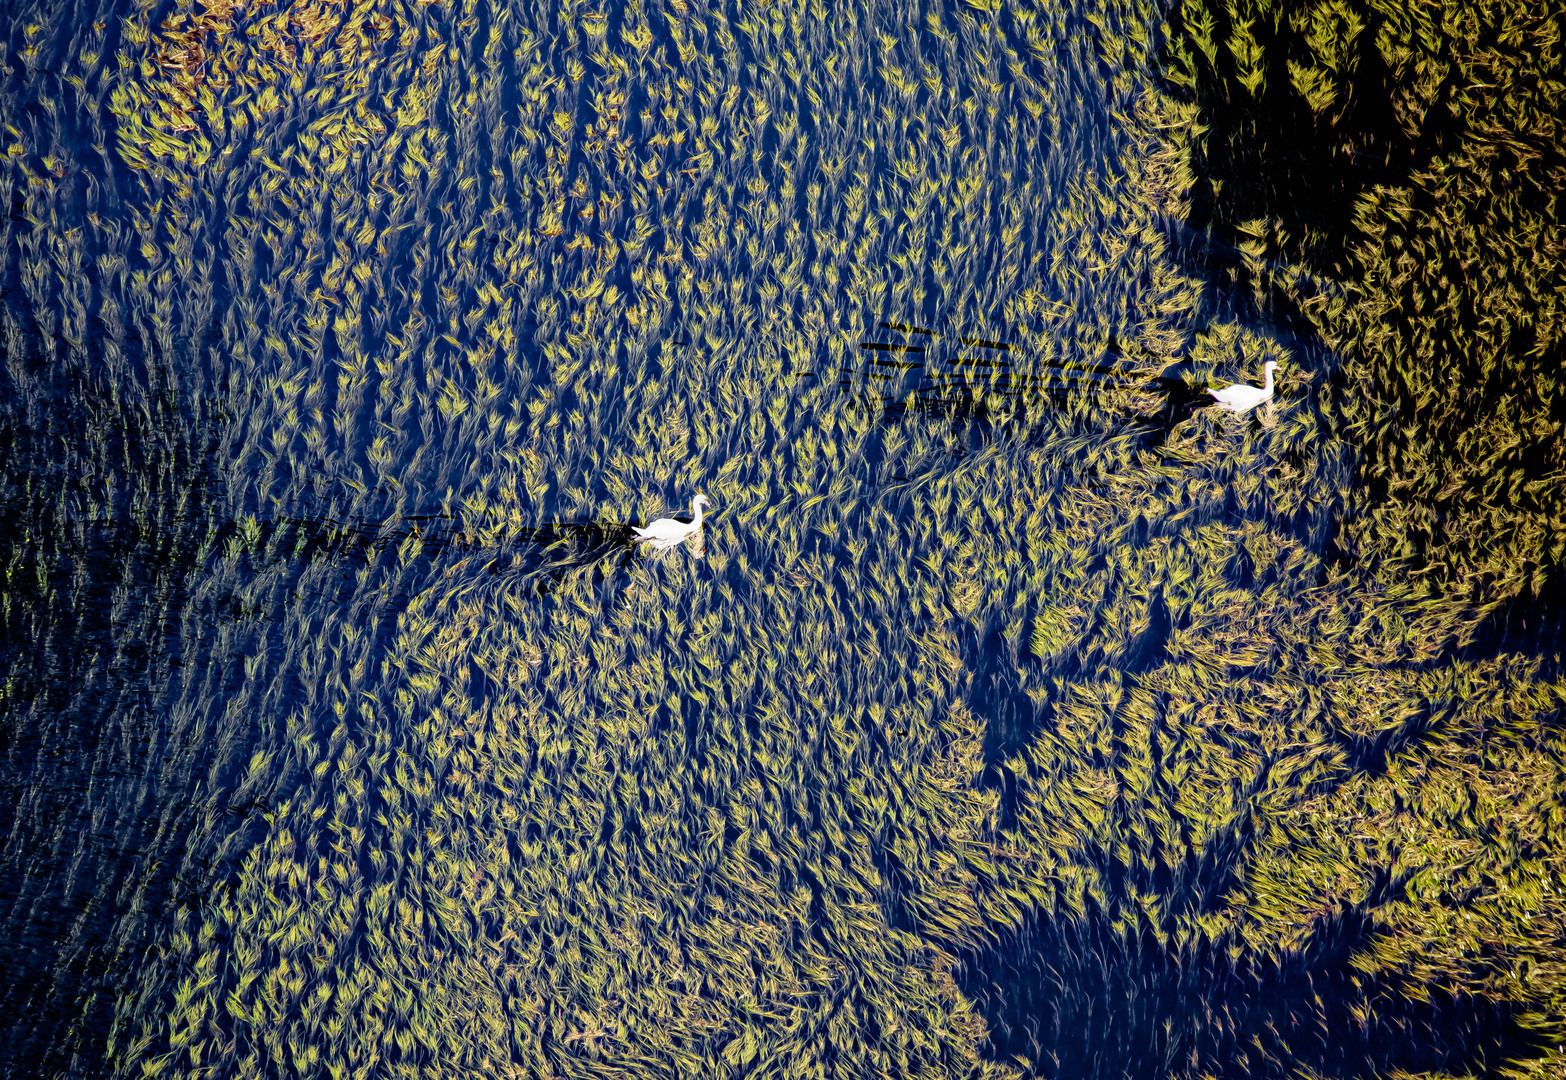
(1014, 712)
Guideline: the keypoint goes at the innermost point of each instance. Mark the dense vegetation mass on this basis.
(1014, 718)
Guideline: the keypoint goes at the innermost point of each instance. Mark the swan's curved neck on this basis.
(696, 512)
(1267, 383)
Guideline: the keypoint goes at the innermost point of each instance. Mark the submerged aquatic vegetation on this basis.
(1002, 669)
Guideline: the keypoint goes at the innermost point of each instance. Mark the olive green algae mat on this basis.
(1014, 715)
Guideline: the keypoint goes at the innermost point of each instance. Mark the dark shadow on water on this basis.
(1528, 625)
(1268, 155)
(994, 694)
(1147, 647)
(104, 501)
(1076, 999)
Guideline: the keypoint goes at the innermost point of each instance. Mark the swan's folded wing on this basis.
(664, 529)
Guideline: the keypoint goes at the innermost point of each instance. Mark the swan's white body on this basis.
(1241, 398)
(666, 532)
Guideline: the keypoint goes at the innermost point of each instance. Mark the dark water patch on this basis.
(1530, 624)
(1078, 999)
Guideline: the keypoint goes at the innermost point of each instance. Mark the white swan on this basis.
(1241, 398)
(667, 532)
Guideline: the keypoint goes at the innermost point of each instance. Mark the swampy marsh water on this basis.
(1017, 717)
